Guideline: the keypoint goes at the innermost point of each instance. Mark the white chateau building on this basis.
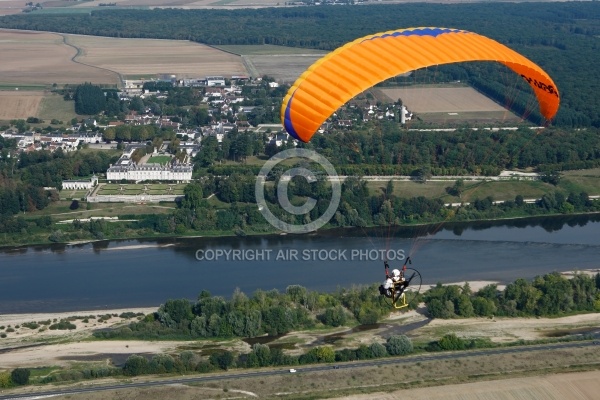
(130, 171)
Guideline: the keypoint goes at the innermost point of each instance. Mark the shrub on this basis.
(5, 381)
(399, 345)
(451, 342)
(20, 376)
(63, 325)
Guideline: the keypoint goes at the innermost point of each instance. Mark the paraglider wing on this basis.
(349, 70)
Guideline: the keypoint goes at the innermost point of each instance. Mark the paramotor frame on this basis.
(404, 292)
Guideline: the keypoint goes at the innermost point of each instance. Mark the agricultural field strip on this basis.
(402, 360)
(442, 99)
(43, 58)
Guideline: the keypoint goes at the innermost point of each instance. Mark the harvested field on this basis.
(19, 104)
(269, 50)
(132, 57)
(442, 99)
(573, 386)
(283, 67)
(43, 58)
(8, 7)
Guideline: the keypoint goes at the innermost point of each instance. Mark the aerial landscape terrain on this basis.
(240, 199)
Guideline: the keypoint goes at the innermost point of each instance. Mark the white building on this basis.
(80, 184)
(215, 81)
(130, 171)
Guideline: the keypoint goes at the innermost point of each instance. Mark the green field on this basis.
(55, 107)
(159, 159)
(60, 210)
(498, 190)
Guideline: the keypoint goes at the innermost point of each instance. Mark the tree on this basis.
(89, 99)
(263, 354)
(334, 316)
(193, 196)
(483, 307)
(399, 345)
(109, 134)
(179, 310)
(135, 365)
(20, 376)
(423, 174)
(378, 350)
(325, 354)
(223, 359)
(458, 188)
(74, 205)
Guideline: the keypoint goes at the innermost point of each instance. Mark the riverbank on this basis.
(418, 229)
(42, 347)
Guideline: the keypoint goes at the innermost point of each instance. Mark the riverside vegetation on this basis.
(298, 309)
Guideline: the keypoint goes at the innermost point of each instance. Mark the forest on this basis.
(560, 37)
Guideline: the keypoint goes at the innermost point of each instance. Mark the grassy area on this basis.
(60, 210)
(72, 194)
(159, 159)
(26, 87)
(594, 172)
(492, 368)
(55, 107)
(505, 190)
(412, 188)
(498, 190)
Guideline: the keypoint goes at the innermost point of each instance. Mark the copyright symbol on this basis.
(282, 190)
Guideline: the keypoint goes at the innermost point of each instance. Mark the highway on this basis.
(342, 366)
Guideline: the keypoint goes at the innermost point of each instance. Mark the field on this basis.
(285, 64)
(131, 57)
(60, 210)
(53, 106)
(449, 103)
(19, 104)
(159, 159)
(285, 68)
(268, 49)
(42, 58)
(8, 7)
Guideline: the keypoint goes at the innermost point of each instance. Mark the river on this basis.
(136, 273)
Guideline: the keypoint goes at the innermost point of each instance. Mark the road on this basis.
(299, 370)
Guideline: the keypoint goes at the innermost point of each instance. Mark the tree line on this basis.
(265, 312)
(549, 295)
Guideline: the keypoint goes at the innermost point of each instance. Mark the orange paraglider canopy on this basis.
(349, 70)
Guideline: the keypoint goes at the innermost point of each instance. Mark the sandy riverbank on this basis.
(26, 347)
